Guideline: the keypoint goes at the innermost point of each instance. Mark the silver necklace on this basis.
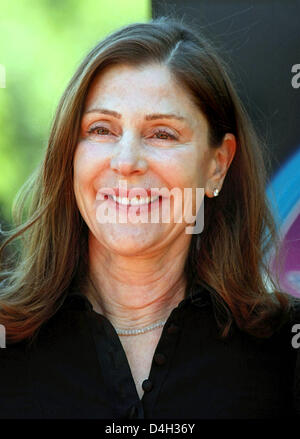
(122, 331)
(137, 331)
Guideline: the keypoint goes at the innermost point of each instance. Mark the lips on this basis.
(133, 205)
(130, 193)
(135, 201)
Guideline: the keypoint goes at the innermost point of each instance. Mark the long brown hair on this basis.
(50, 236)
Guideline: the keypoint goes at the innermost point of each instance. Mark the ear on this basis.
(222, 158)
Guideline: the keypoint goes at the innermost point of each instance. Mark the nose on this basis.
(128, 157)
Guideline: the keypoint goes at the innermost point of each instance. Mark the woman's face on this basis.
(141, 129)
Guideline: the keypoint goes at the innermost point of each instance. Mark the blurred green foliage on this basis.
(41, 44)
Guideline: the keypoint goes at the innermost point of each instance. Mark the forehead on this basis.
(140, 89)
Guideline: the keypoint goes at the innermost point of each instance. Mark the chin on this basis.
(128, 247)
(135, 243)
(129, 239)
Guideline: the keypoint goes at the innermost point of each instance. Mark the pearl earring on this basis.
(216, 192)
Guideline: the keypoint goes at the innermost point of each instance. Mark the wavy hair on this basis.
(45, 252)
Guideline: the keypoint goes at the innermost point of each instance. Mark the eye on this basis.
(166, 135)
(95, 129)
(104, 131)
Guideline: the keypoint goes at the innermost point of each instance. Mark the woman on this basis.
(111, 317)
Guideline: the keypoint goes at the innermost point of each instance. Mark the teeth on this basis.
(135, 200)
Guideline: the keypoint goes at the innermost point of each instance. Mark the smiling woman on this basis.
(124, 144)
(124, 316)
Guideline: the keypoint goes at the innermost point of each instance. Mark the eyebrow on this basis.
(153, 116)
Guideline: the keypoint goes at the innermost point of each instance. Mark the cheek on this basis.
(78, 169)
(182, 169)
(82, 178)
(87, 165)
(83, 159)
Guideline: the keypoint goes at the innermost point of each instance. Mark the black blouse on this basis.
(77, 368)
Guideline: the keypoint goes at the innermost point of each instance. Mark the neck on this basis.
(134, 292)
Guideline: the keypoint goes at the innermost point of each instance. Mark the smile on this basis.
(134, 201)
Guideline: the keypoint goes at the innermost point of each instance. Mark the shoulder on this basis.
(295, 323)
(292, 326)
(295, 308)
(13, 370)
(295, 315)
(295, 343)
